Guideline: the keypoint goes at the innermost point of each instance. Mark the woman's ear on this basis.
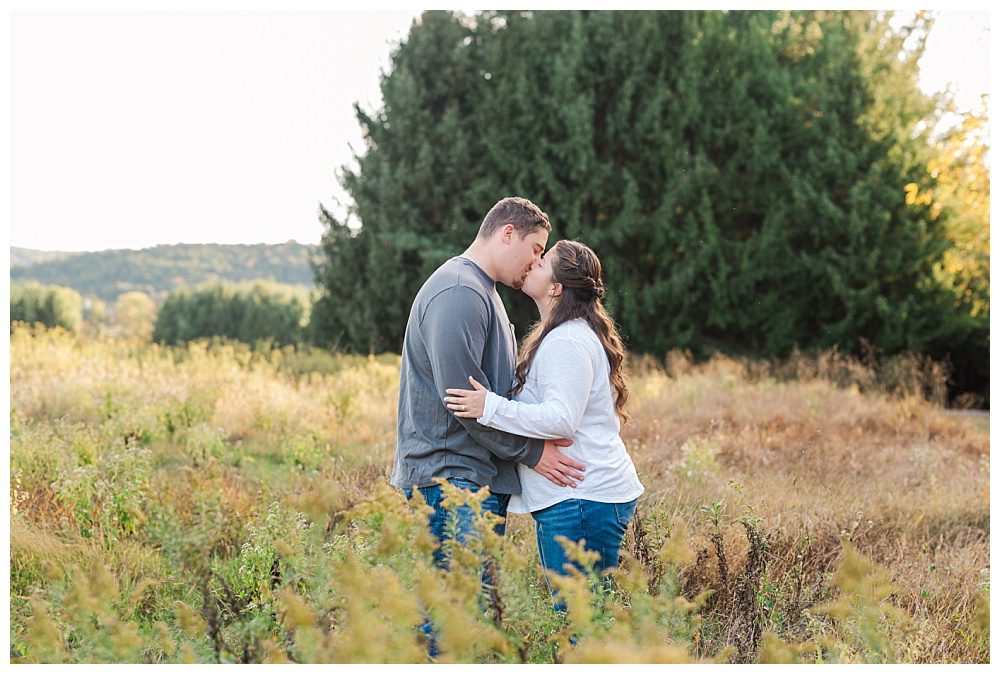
(556, 290)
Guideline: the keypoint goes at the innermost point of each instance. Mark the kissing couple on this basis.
(540, 431)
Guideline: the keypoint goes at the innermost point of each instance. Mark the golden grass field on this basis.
(214, 503)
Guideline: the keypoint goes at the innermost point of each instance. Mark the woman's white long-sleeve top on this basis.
(568, 394)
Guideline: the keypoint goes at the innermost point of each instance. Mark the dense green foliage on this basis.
(51, 306)
(742, 176)
(248, 313)
(157, 271)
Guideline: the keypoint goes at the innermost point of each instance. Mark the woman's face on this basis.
(538, 282)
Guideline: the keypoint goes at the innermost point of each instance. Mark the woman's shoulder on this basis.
(576, 330)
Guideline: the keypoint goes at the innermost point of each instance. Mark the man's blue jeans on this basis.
(464, 515)
(438, 520)
(600, 525)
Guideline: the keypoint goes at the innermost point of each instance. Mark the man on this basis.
(458, 327)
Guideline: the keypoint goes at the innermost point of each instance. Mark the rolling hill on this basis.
(160, 269)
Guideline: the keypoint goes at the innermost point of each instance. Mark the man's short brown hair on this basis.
(524, 215)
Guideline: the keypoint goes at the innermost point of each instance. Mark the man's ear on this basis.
(508, 232)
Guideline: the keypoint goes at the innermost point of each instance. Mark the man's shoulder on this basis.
(452, 274)
(458, 295)
(452, 287)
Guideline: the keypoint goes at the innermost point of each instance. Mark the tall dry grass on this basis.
(213, 503)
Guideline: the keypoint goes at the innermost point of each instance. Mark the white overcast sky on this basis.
(131, 129)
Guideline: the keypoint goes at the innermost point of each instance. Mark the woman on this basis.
(569, 383)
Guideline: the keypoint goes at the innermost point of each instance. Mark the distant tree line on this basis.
(754, 181)
(52, 306)
(249, 312)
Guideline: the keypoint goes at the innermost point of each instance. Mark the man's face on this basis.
(522, 253)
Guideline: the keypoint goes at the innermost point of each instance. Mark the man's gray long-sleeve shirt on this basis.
(457, 327)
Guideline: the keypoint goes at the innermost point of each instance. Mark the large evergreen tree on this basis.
(741, 174)
(412, 190)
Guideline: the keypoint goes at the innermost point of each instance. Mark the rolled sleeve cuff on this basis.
(489, 408)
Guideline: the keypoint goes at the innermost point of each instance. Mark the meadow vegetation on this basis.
(211, 502)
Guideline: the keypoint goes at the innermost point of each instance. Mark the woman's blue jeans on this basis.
(600, 525)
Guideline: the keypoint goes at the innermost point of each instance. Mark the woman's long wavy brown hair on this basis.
(577, 268)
